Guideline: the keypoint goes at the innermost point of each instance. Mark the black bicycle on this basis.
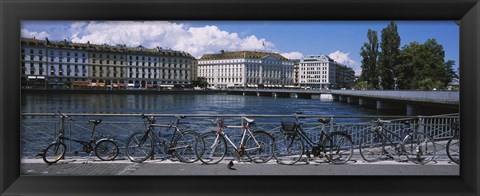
(140, 145)
(336, 146)
(105, 148)
(453, 144)
(417, 147)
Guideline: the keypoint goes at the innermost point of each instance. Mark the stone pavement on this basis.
(77, 166)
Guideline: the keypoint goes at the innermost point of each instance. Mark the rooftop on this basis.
(241, 55)
(102, 47)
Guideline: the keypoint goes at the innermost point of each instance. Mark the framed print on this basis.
(129, 75)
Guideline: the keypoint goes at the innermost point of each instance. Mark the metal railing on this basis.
(39, 129)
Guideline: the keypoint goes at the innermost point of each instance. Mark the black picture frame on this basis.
(467, 12)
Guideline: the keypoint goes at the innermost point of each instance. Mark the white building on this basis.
(246, 69)
(63, 64)
(44, 66)
(320, 71)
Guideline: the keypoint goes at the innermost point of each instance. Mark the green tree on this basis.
(423, 66)
(362, 85)
(388, 57)
(200, 82)
(369, 53)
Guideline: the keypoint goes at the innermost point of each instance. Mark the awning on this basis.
(32, 77)
(166, 85)
(131, 85)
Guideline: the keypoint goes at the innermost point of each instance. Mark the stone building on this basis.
(246, 69)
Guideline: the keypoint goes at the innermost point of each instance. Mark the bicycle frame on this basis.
(391, 142)
(61, 137)
(151, 130)
(240, 148)
(303, 135)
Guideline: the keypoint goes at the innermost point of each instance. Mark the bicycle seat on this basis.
(324, 120)
(96, 121)
(249, 120)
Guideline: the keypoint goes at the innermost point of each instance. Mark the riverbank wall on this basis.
(94, 91)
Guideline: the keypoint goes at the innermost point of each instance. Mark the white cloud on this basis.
(194, 40)
(293, 55)
(344, 58)
(30, 34)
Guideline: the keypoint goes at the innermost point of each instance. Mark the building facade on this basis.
(246, 69)
(320, 71)
(296, 67)
(62, 64)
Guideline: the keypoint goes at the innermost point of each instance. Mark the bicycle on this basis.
(140, 145)
(336, 146)
(417, 147)
(453, 144)
(256, 145)
(105, 148)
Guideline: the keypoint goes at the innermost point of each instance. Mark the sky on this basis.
(341, 40)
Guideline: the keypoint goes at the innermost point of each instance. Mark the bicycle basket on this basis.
(288, 127)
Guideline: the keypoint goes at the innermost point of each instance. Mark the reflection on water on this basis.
(183, 104)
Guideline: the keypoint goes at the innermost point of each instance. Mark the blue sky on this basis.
(341, 40)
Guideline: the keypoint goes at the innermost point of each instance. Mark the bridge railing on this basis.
(40, 129)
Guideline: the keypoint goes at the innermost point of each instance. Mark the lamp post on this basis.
(395, 79)
(380, 82)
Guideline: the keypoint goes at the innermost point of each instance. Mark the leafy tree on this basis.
(369, 53)
(200, 82)
(388, 57)
(363, 85)
(422, 66)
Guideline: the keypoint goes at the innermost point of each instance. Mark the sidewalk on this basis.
(77, 166)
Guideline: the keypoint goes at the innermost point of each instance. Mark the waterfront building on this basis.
(320, 71)
(296, 66)
(246, 69)
(63, 64)
(48, 64)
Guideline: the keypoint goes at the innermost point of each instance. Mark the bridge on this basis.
(411, 102)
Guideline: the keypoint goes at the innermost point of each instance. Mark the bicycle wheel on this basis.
(54, 152)
(288, 149)
(139, 146)
(261, 152)
(372, 146)
(419, 148)
(184, 146)
(106, 150)
(453, 149)
(212, 149)
(338, 148)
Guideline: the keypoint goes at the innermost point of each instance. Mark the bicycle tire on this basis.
(338, 147)
(419, 148)
(453, 149)
(372, 146)
(54, 152)
(138, 150)
(209, 152)
(106, 150)
(262, 154)
(288, 149)
(184, 146)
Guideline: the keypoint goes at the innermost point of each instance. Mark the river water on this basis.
(184, 104)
